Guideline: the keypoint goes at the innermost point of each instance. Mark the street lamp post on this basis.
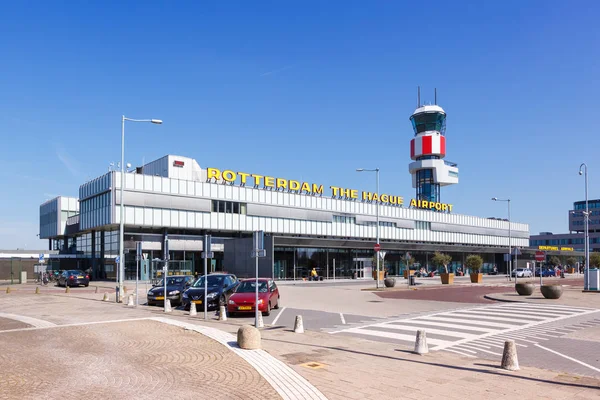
(376, 170)
(587, 233)
(121, 272)
(509, 239)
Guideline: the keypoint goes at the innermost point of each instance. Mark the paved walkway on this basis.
(339, 367)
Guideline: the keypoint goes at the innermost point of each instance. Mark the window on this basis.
(344, 219)
(432, 121)
(423, 225)
(426, 188)
(230, 207)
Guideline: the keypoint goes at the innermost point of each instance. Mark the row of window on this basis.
(582, 223)
(382, 223)
(229, 207)
(591, 204)
(556, 242)
(344, 219)
(423, 225)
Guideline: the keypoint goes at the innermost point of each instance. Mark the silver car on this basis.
(522, 273)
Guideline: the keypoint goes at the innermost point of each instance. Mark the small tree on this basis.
(408, 260)
(571, 261)
(441, 260)
(554, 261)
(595, 260)
(474, 263)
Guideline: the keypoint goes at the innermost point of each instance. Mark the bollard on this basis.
(168, 306)
(222, 313)
(105, 298)
(298, 325)
(421, 343)
(96, 289)
(261, 323)
(68, 289)
(8, 289)
(509, 356)
(193, 310)
(37, 290)
(248, 337)
(130, 302)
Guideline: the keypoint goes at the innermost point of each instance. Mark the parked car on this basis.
(176, 286)
(244, 298)
(545, 272)
(73, 277)
(522, 273)
(220, 288)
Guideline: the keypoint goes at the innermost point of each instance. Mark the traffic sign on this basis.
(540, 256)
(209, 254)
(117, 259)
(41, 258)
(259, 253)
(377, 247)
(516, 251)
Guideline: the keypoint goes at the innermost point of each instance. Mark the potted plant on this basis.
(474, 263)
(552, 291)
(443, 260)
(524, 288)
(571, 261)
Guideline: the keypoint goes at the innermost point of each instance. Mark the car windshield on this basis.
(250, 287)
(213, 281)
(171, 281)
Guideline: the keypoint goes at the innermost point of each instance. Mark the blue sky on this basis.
(305, 90)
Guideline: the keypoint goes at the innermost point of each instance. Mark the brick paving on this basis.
(138, 359)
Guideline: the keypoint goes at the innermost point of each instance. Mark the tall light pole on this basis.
(121, 273)
(587, 238)
(509, 239)
(376, 170)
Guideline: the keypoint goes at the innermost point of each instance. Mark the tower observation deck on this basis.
(429, 170)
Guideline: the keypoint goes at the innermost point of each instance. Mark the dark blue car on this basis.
(545, 272)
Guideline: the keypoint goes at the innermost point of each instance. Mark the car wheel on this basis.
(87, 285)
(277, 304)
(268, 310)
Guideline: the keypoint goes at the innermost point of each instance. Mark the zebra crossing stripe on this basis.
(520, 314)
(445, 325)
(557, 307)
(397, 336)
(468, 321)
(431, 330)
(526, 309)
(483, 315)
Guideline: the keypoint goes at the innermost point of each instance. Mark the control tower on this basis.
(429, 170)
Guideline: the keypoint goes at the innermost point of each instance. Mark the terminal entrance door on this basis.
(363, 267)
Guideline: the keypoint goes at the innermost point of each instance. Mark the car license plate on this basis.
(160, 297)
(243, 308)
(197, 301)
(80, 277)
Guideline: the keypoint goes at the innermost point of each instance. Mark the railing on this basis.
(450, 163)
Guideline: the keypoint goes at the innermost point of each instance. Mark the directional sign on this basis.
(117, 259)
(507, 257)
(209, 254)
(377, 247)
(516, 252)
(540, 256)
(259, 253)
(41, 258)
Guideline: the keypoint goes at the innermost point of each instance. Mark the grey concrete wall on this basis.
(237, 258)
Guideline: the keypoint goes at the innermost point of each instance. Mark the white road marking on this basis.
(37, 323)
(468, 321)
(488, 316)
(342, 318)
(485, 351)
(445, 325)
(462, 354)
(278, 315)
(467, 350)
(489, 344)
(398, 336)
(428, 330)
(569, 358)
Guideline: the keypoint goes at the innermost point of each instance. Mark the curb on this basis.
(489, 297)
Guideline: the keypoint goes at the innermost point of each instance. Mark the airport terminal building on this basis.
(306, 225)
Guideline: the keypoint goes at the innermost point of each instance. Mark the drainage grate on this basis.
(313, 365)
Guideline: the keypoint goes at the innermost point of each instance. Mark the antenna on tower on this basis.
(435, 96)
(418, 96)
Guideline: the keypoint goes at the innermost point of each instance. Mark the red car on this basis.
(242, 301)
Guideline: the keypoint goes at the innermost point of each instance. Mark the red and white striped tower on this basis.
(428, 149)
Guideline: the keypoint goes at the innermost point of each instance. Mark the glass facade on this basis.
(429, 122)
(426, 188)
(296, 262)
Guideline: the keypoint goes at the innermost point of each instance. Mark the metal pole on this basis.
(166, 272)
(205, 255)
(256, 292)
(586, 276)
(334, 269)
(327, 255)
(517, 264)
(377, 253)
(509, 246)
(121, 265)
(137, 273)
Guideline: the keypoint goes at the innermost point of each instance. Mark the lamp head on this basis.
(156, 121)
(580, 172)
(360, 169)
(495, 198)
